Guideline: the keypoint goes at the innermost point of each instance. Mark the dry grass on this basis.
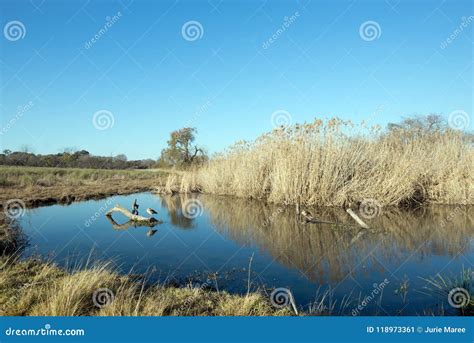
(12, 238)
(33, 288)
(337, 164)
(36, 186)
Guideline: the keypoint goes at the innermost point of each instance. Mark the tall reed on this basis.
(336, 163)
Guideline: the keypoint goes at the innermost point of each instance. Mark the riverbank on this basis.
(35, 288)
(38, 288)
(36, 186)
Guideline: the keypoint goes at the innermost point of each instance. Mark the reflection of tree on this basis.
(175, 210)
(327, 251)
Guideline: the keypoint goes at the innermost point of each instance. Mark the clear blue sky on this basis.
(225, 84)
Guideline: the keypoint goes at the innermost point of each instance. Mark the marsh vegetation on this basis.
(38, 185)
(249, 205)
(337, 163)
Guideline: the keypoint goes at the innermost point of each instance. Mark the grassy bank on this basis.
(338, 164)
(36, 186)
(33, 288)
(37, 288)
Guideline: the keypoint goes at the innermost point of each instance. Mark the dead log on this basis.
(357, 219)
(133, 217)
(308, 218)
(129, 224)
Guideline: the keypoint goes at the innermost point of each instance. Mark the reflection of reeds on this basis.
(329, 251)
(174, 204)
(325, 164)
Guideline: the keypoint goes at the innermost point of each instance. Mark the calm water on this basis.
(403, 249)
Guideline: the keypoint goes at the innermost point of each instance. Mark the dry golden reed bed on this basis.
(337, 164)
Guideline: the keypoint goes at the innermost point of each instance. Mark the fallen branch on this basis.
(309, 219)
(357, 219)
(133, 217)
(130, 223)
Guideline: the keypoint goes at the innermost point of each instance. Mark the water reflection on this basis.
(405, 248)
(174, 205)
(328, 252)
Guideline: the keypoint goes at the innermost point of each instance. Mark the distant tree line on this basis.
(181, 152)
(414, 126)
(69, 159)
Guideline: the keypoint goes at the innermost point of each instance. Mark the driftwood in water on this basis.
(133, 217)
(308, 218)
(357, 219)
(359, 235)
(131, 223)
